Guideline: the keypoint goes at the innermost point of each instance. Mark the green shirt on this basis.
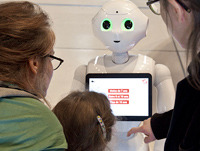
(26, 124)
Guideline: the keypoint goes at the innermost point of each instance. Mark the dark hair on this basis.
(24, 33)
(193, 43)
(78, 115)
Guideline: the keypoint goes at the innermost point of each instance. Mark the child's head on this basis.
(78, 115)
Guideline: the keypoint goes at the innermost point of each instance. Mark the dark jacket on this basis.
(181, 126)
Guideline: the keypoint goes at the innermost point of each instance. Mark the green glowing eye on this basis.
(106, 25)
(127, 25)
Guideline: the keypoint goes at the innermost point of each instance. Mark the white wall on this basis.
(76, 43)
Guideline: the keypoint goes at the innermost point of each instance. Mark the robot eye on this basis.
(127, 25)
(106, 25)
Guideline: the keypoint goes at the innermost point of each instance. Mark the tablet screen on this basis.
(129, 94)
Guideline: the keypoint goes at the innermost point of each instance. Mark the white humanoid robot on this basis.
(120, 25)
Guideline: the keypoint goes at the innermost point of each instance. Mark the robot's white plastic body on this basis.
(120, 25)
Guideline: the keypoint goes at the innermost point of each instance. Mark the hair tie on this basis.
(103, 128)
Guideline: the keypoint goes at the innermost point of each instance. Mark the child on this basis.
(87, 120)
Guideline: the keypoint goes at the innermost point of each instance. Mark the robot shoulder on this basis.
(96, 65)
(80, 73)
(162, 73)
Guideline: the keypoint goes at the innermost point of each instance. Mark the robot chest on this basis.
(141, 66)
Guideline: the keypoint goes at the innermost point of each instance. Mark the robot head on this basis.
(120, 25)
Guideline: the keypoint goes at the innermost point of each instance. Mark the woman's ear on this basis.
(178, 10)
(34, 64)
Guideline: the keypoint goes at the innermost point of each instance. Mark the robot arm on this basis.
(78, 83)
(165, 88)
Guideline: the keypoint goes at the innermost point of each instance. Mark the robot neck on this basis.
(120, 58)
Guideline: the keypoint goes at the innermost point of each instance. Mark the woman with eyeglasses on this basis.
(26, 68)
(181, 126)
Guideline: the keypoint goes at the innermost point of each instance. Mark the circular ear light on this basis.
(127, 25)
(106, 25)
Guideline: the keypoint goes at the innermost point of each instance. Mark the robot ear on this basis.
(94, 19)
(147, 25)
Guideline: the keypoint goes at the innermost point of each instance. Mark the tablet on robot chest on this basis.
(130, 94)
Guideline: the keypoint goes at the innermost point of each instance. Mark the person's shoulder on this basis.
(38, 109)
(185, 84)
(34, 111)
(185, 91)
(183, 81)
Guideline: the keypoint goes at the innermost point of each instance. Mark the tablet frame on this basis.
(126, 75)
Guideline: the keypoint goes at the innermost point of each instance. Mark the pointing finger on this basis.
(134, 130)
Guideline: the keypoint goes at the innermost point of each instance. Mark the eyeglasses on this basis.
(56, 62)
(154, 5)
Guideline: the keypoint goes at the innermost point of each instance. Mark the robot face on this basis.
(120, 25)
